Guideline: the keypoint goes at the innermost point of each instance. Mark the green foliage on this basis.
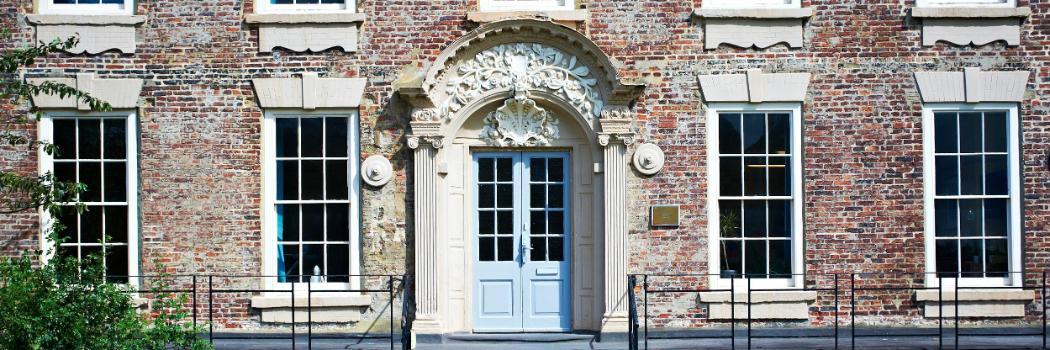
(67, 305)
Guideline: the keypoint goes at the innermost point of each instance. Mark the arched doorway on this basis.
(498, 105)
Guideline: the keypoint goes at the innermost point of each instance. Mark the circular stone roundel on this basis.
(377, 171)
(648, 158)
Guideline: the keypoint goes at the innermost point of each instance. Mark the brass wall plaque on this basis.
(663, 216)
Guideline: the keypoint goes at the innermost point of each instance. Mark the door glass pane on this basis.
(486, 222)
(486, 170)
(555, 169)
(505, 249)
(556, 222)
(556, 249)
(487, 249)
(505, 195)
(504, 169)
(539, 249)
(538, 169)
(537, 195)
(557, 196)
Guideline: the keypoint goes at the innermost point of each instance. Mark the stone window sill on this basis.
(324, 308)
(767, 13)
(970, 12)
(97, 33)
(998, 303)
(301, 32)
(554, 15)
(779, 305)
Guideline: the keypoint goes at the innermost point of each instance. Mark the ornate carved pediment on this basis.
(520, 123)
(520, 67)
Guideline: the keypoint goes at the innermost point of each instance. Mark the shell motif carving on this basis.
(524, 66)
(376, 171)
(520, 123)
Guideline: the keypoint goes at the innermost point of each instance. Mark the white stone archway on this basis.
(521, 84)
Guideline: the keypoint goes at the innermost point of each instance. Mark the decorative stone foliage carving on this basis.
(524, 66)
(648, 159)
(520, 123)
(377, 171)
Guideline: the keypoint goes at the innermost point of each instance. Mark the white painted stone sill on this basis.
(556, 15)
(970, 12)
(304, 18)
(997, 303)
(94, 20)
(778, 305)
(754, 13)
(322, 308)
(270, 302)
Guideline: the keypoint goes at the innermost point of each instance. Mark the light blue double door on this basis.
(521, 242)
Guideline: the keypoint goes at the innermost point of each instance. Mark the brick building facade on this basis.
(845, 93)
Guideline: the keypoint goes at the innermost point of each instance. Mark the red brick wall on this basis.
(200, 125)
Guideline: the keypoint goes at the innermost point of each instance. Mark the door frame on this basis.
(521, 181)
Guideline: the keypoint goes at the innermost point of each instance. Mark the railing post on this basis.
(732, 311)
(194, 303)
(940, 312)
(390, 294)
(748, 279)
(1044, 309)
(836, 294)
(645, 296)
(211, 311)
(853, 310)
(310, 314)
(957, 310)
(293, 313)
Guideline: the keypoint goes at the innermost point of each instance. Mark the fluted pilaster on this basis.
(426, 225)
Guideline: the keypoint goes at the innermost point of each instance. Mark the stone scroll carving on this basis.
(524, 66)
(520, 123)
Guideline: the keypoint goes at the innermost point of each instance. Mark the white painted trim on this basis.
(265, 7)
(268, 210)
(45, 164)
(965, 3)
(713, 189)
(48, 7)
(737, 4)
(530, 5)
(929, 189)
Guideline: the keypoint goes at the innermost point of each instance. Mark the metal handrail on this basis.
(408, 311)
(632, 314)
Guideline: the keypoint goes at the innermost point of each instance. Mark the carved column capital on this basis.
(415, 141)
(626, 139)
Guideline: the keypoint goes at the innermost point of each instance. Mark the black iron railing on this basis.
(216, 286)
(869, 282)
(408, 312)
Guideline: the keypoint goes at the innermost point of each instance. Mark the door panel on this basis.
(521, 242)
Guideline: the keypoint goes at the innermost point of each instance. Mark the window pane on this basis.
(995, 217)
(997, 257)
(312, 179)
(969, 132)
(91, 176)
(288, 263)
(945, 133)
(972, 254)
(504, 169)
(556, 223)
(755, 176)
(729, 133)
(505, 196)
(66, 172)
(537, 195)
(336, 180)
(556, 196)
(116, 218)
(312, 136)
(333, 1)
(556, 249)
(947, 169)
(287, 180)
(754, 218)
(995, 134)
(117, 263)
(779, 218)
(995, 180)
(947, 213)
(338, 222)
(779, 176)
(115, 143)
(116, 177)
(486, 222)
(755, 255)
(91, 225)
(971, 213)
(538, 169)
(505, 222)
(287, 137)
(538, 222)
(486, 196)
(64, 1)
(947, 257)
(556, 169)
(335, 137)
(970, 175)
(65, 138)
(779, 133)
(287, 223)
(731, 255)
(313, 260)
(730, 177)
(88, 139)
(281, 2)
(338, 262)
(730, 219)
(313, 222)
(486, 172)
(505, 248)
(780, 258)
(68, 218)
(754, 133)
(486, 249)
(118, 2)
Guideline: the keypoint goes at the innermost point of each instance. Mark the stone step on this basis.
(519, 337)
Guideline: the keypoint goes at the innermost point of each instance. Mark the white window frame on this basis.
(929, 189)
(531, 5)
(45, 133)
(713, 193)
(48, 7)
(966, 3)
(749, 4)
(265, 7)
(269, 209)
